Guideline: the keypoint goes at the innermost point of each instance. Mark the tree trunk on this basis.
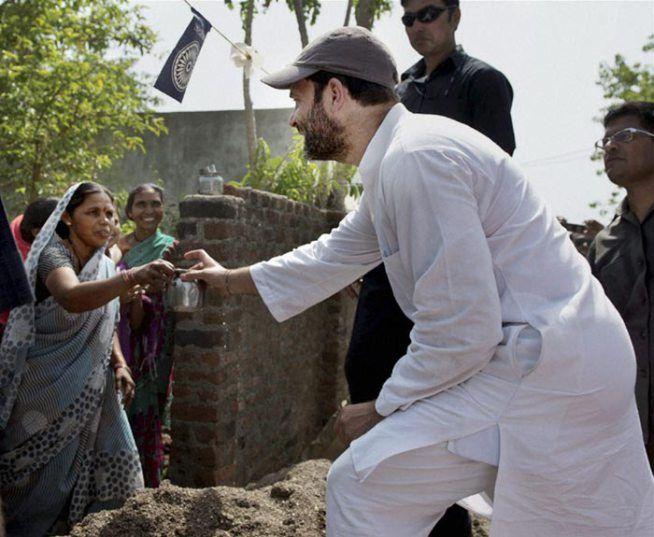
(348, 12)
(301, 22)
(364, 13)
(250, 122)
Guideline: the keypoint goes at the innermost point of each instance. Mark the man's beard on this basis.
(324, 138)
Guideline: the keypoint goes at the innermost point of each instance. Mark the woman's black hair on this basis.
(138, 190)
(83, 191)
(35, 215)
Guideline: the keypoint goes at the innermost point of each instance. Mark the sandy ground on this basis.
(290, 503)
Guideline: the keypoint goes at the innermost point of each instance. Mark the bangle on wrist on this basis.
(227, 274)
(128, 277)
(122, 366)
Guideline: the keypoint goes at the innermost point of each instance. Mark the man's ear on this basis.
(335, 95)
(456, 18)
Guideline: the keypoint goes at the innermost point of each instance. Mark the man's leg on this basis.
(380, 337)
(455, 522)
(404, 495)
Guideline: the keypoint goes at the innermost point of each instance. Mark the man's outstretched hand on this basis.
(228, 281)
(356, 420)
(206, 269)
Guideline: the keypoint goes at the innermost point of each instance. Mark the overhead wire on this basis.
(560, 158)
(235, 45)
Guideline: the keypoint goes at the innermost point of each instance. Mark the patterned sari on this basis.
(65, 443)
(148, 351)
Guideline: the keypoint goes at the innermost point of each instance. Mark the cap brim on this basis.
(286, 77)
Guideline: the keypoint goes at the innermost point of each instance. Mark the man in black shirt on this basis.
(622, 254)
(448, 82)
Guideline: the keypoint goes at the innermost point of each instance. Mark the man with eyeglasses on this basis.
(447, 82)
(622, 254)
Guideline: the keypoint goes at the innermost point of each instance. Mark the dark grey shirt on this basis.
(54, 255)
(622, 259)
(465, 89)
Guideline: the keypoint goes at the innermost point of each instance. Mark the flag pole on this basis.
(242, 51)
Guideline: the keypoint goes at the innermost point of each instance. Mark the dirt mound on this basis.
(290, 503)
(293, 506)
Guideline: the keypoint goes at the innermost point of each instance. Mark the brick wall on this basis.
(251, 393)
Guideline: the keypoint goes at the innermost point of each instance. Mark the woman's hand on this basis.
(172, 252)
(157, 274)
(125, 384)
(206, 269)
(134, 294)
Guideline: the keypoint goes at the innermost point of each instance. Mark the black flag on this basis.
(176, 73)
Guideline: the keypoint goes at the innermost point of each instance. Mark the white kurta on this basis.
(487, 275)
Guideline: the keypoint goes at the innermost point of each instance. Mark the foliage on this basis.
(621, 81)
(607, 207)
(310, 9)
(368, 11)
(120, 200)
(292, 175)
(69, 105)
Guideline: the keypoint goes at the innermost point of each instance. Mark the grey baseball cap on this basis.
(351, 51)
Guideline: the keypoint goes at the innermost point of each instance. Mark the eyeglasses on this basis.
(425, 15)
(622, 137)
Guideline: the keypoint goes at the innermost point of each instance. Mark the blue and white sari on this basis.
(65, 442)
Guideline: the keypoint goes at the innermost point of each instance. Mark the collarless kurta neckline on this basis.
(372, 157)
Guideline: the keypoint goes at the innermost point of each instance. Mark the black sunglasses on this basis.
(425, 15)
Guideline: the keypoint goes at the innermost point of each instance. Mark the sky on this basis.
(549, 50)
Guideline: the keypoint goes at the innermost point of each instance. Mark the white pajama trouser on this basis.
(404, 495)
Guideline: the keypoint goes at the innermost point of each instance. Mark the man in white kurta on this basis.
(519, 377)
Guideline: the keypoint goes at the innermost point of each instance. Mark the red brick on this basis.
(209, 359)
(187, 230)
(205, 434)
(213, 318)
(203, 478)
(221, 251)
(213, 338)
(211, 377)
(219, 230)
(209, 207)
(195, 413)
(225, 475)
(183, 391)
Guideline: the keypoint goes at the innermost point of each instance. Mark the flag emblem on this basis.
(176, 73)
(183, 65)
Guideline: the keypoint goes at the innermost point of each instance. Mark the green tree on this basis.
(71, 103)
(366, 12)
(305, 11)
(622, 81)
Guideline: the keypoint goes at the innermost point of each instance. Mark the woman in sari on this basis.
(146, 331)
(65, 443)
